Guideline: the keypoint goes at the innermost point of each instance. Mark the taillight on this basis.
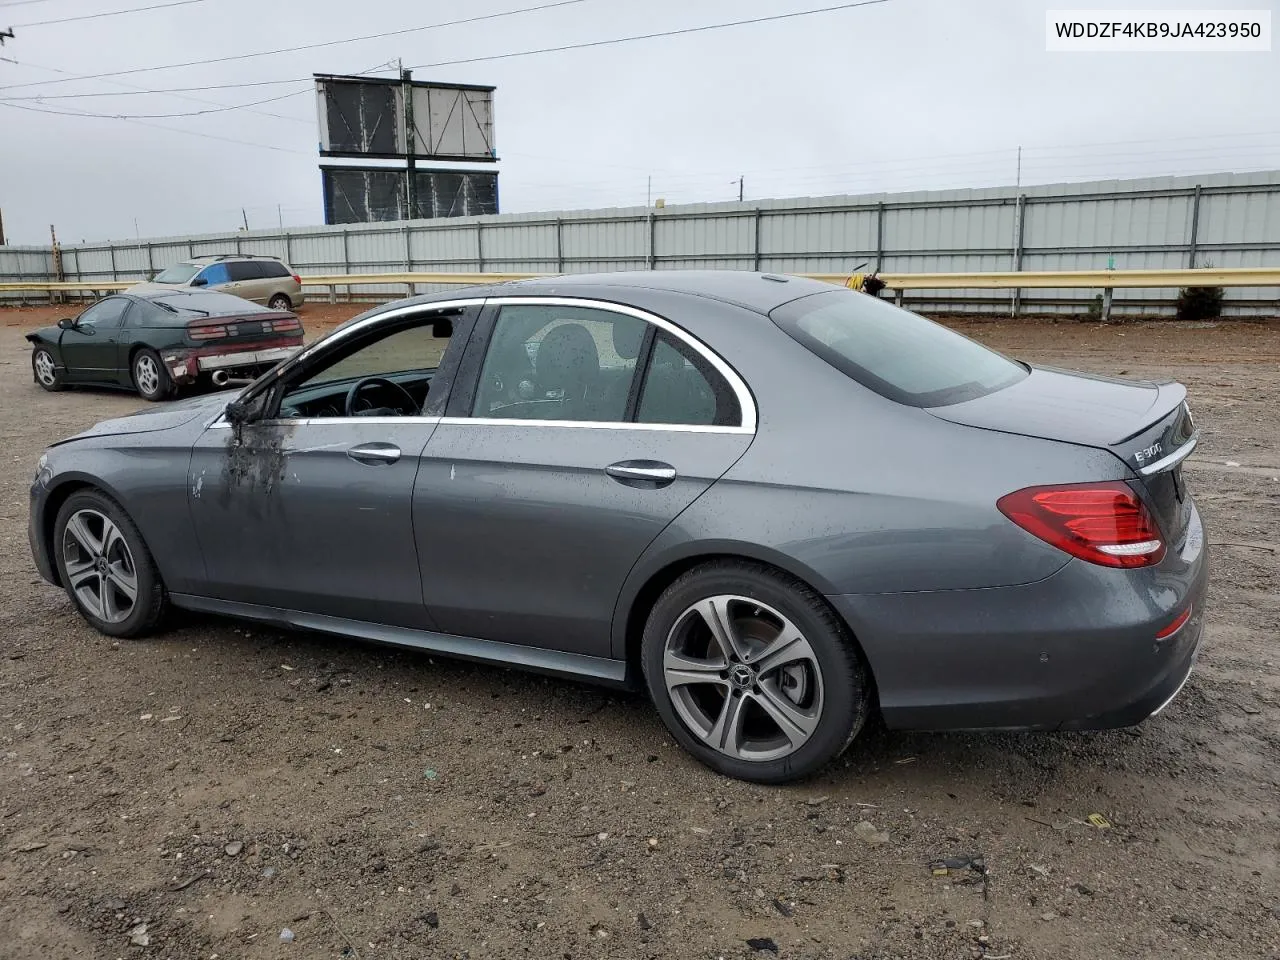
(1104, 523)
(297, 279)
(282, 325)
(207, 331)
(1179, 622)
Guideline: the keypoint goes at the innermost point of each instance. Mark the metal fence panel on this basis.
(1224, 219)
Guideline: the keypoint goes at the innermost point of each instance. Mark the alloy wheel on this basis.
(44, 368)
(99, 566)
(146, 374)
(743, 678)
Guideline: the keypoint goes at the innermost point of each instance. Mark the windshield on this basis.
(178, 273)
(896, 353)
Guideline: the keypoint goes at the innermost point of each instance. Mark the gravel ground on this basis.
(198, 793)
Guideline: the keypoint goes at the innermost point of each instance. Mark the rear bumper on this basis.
(185, 366)
(1075, 651)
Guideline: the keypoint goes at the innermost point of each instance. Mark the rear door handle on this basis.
(374, 454)
(642, 473)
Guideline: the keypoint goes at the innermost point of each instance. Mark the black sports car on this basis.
(155, 342)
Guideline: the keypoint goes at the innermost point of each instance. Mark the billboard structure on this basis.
(413, 122)
(378, 194)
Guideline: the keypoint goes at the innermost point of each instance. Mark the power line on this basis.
(141, 90)
(157, 126)
(163, 116)
(109, 13)
(305, 46)
(652, 36)
(450, 63)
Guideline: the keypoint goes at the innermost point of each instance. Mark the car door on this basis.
(543, 485)
(247, 280)
(91, 349)
(311, 509)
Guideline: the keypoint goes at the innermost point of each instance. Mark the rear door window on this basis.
(896, 353)
(244, 270)
(559, 363)
(273, 268)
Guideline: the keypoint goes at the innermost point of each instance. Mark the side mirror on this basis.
(240, 412)
(199, 282)
(66, 323)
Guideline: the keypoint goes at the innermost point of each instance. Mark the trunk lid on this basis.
(243, 330)
(1146, 424)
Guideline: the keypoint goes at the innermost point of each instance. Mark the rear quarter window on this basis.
(898, 354)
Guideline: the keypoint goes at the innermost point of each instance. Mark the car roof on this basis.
(214, 257)
(759, 292)
(202, 302)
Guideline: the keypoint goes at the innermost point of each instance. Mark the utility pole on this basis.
(5, 35)
(410, 139)
(245, 217)
(58, 274)
(1, 228)
(740, 183)
(136, 232)
(280, 216)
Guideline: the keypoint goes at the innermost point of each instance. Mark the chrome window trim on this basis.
(323, 421)
(591, 425)
(1164, 463)
(746, 402)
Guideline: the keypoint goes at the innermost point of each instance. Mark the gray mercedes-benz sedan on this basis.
(776, 504)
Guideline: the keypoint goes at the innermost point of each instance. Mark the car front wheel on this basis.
(105, 566)
(753, 673)
(45, 369)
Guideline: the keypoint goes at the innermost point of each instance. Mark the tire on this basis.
(100, 557)
(150, 378)
(280, 302)
(45, 369)
(818, 684)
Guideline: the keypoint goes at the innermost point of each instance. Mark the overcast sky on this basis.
(906, 94)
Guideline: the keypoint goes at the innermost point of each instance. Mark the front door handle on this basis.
(374, 454)
(642, 473)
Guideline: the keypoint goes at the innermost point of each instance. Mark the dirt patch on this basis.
(202, 791)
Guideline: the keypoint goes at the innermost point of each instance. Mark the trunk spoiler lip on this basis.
(1172, 459)
(1170, 394)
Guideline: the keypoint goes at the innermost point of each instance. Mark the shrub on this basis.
(1199, 303)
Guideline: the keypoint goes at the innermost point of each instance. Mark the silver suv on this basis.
(266, 280)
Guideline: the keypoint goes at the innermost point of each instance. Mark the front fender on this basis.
(148, 478)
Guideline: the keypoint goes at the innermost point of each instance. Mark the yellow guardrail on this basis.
(1044, 279)
(1088, 279)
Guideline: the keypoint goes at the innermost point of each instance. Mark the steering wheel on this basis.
(382, 383)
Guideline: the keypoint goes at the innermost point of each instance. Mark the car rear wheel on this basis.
(45, 369)
(150, 378)
(280, 302)
(106, 567)
(753, 673)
